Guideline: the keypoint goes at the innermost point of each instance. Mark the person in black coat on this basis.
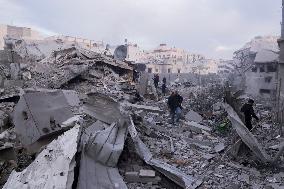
(174, 104)
(164, 87)
(156, 80)
(248, 111)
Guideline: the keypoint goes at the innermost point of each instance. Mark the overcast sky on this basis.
(214, 28)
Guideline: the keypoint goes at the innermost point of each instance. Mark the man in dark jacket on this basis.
(164, 87)
(248, 111)
(174, 103)
(156, 80)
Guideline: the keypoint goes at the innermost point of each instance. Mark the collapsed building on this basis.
(72, 118)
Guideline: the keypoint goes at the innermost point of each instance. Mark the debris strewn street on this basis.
(74, 116)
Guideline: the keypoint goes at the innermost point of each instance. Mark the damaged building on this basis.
(261, 78)
(74, 118)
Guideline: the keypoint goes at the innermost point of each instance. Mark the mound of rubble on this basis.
(72, 118)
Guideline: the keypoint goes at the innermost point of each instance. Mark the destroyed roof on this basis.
(266, 56)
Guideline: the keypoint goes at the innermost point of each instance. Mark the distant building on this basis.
(97, 46)
(135, 54)
(168, 68)
(164, 52)
(262, 76)
(17, 32)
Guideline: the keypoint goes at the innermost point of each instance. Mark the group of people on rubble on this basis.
(175, 105)
(156, 80)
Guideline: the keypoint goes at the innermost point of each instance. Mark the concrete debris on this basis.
(102, 108)
(136, 177)
(68, 105)
(183, 180)
(40, 114)
(219, 147)
(193, 116)
(54, 166)
(100, 154)
(144, 108)
(106, 146)
(193, 126)
(147, 173)
(246, 135)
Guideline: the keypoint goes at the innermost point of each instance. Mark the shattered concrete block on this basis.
(218, 175)
(102, 108)
(40, 114)
(4, 120)
(246, 136)
(219, 147)
(147, 173)
(15, 71)
(171, 172)
(53, 167)
(193, 126)
(132, 177)
(244, 178)
(145, 108)
(100, 154)
(27, 75)
(193, 116)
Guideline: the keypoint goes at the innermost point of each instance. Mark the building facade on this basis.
(85, 43)
(17, 32)
(261, 78)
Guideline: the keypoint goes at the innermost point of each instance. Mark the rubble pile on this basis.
(76, 120)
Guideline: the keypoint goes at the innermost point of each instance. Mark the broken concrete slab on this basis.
(219, 147)
(246, 136)
(40, 114)
(105, 146)
(100, 154)
(102, 108)
(194, 126)
(143, 82)
(147, 173)
(53, 167)
(135, 177)
(171, 172)
(200, 143)
(144, 108)
(193, 116)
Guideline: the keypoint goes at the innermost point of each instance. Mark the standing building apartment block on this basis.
(261, 79)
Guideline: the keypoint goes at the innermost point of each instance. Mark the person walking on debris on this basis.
(164, 80)
(174, 103)
(156, 80)
(248, 111)
(164, 87)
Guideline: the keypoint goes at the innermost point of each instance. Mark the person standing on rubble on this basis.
(156, 80)
(174, 103)
(248, 111)
(164, 87)
(164, 80)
